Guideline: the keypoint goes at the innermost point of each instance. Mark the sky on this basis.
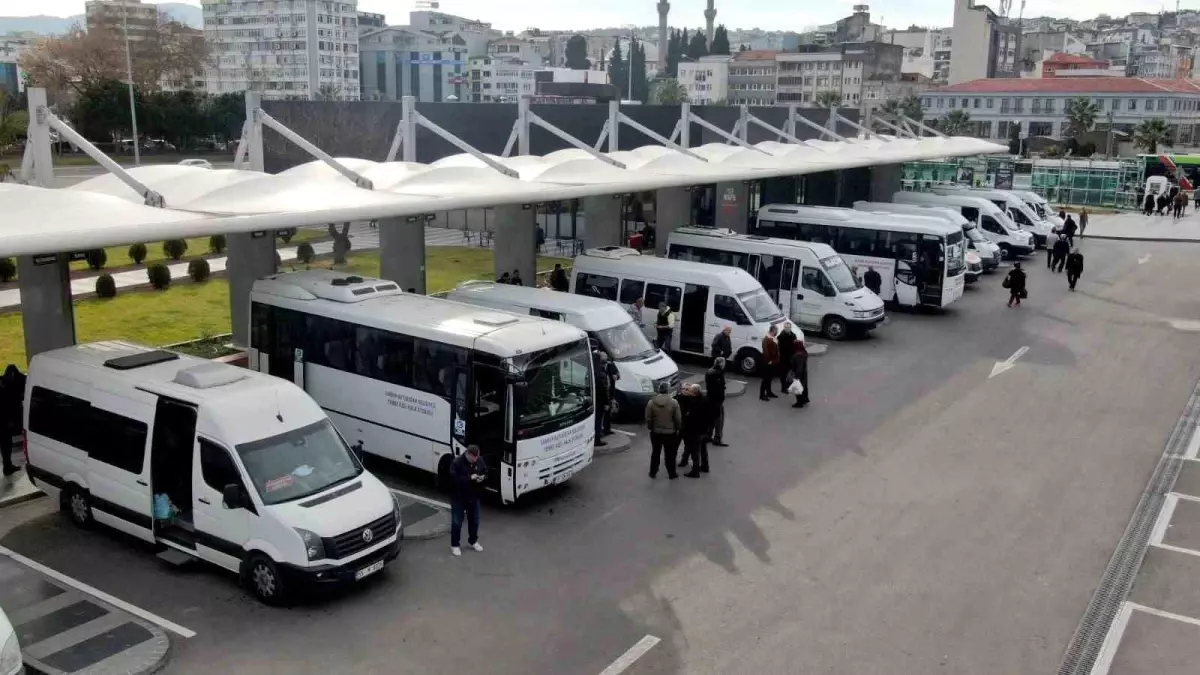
(774, 14)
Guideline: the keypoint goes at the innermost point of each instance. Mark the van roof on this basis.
(883, 220)
(986, 205)
(992, 193)
(629, 261)
(947, 213)
(748, 241)
(358, 300)
(604, 311)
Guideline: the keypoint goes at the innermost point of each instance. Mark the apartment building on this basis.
(12, 78)
(843, 69)
(984, 44)
(752, 76)
(706, 81)
(304, 49)
(140, 17)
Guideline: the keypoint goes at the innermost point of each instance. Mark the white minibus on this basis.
(1041, 207)
(705, 299)
(990, 218)
(416, 379)
(215, 462)
(640, 365)
(1015, 207)
(920, 259)
(985, 249)
(810, 282)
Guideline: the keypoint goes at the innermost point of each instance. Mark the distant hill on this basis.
(188, 15)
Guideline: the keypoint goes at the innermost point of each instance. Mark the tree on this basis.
(576, 53)
(637, 67)
(14, 119)
(180, 117)
(101, 111)
(1081, 116)
(909, 106)
(955, 123)
(1150, 134)
(697, 46)
(674, 53)
(618, 72)
(743, 48)
(341, 242)
(720, 43)
(669, 92)
(828, 97)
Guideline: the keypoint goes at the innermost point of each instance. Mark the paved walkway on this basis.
(363, 237)
(1145, 228)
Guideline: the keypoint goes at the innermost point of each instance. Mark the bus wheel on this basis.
(748, 361)
(1005, 252)
(835, 328)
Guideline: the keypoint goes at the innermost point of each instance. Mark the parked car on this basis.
(202, 163)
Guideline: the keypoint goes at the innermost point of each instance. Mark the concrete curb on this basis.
(615, 444)
(1166, 240)
(430, 519)
(427, 529)
(17, 490)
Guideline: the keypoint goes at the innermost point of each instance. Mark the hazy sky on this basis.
(775, 14)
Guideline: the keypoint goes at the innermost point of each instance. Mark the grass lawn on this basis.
(188, 311)
(80, 159)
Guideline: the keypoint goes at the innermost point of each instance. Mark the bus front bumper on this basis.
(345, 573)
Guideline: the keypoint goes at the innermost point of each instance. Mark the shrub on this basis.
(137, 253)
(305, 253)
(216, 243)
(198, 269)
(105, 286)
(174, 248)
(286, 234)
(96, 258)
(8, 269)
(159, 275)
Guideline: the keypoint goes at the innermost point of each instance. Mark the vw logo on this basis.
(368, 535)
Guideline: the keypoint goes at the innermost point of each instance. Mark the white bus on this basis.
(995, 223)
(921, 260)
(988, 252)
(1014, 206)
(810, 282)
(416, 379)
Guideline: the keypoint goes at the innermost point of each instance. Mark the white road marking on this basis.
(1166, 615)
(1164, 520)
(1112, 640)
(1178, 549)
(1193, 446)
(419, 498)
(622, 431)
(1144, 259)
(628, 658)
(1007, 364)
(99, 594)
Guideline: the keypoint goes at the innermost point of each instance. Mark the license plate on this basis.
(563, 478)
(368, 570)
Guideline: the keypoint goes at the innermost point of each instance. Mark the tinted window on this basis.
(656, 293)
(596, 285)
(331, 343)
(631, 290)
(260, 323)
(813, 279)
(545, 314)
(990, 225)
(117, 440)
(727, 308)
(217, 466)
(385, 356)
(857, 241)
(434, 366)
(770, 268)
(58, 417)
(970, 213)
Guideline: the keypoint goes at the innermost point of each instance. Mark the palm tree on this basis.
(909, 106)
(1151, 133)
(1081, 116)
(828, 97)
(955, 123)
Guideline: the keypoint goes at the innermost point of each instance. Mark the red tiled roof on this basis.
(755, 55)
(1074, 85)
(1062, 57)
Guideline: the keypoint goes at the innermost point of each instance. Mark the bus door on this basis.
(656, 294)
(490, 423)
(693, 319)
(906, 280)
(785, 295)
(814, 288)
(278, 336)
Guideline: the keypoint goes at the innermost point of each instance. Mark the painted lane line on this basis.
(1144, 259)
(419, 498)
(99, 594)
(622, 431)
(628, 658)
(1193, 447)
(1177, 549)
(1007, 364)
(1112, 640)
(1165, 615)
(1189, 498)
(1164, 519)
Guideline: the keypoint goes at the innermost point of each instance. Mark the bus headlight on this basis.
(646, 384)
(396, 511)
(313, 545)
(10, 655)
(860, 314)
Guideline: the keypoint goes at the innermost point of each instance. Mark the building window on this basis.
(964, 103)
(976, 103)
(1133, 104)
(1019, 105)
(1162, 104)
(1115, 104)
(990, 103)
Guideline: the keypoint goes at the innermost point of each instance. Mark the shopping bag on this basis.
(795, 388)
(1006, 283)
(1024, 294)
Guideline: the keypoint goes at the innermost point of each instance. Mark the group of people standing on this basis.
(784, 357)
(694, 418)
(513, 279)
(1174, 198)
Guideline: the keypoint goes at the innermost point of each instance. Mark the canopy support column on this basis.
(251, 254)
(402, 252)
(672, 209)
(602, 226)
(515, 244)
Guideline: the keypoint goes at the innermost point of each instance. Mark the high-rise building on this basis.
(984, 44)
(752, 77)
(141, 18)
(304, 49)
(12, 78)
(842, 69)
(428, 59)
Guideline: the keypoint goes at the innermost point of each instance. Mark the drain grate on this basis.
(1126, 560)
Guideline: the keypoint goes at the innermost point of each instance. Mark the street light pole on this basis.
(137, 154)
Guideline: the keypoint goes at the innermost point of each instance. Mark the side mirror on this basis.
(232, 496)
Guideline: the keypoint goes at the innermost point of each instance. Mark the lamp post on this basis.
(137, 154)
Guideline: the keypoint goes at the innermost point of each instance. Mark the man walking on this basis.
(467, 474)
(714, 382)
(664, 324)
(770, 365)
(1061, 249)
(603, 396)
(1083, 221)
(635, 312)
(799, 371)
(558, 279)
(787, 347)
(1074, 267)
(1069, 229)
(665, 422)
(693, 409)
(872, 280)
(722, 345)
(1015, 283)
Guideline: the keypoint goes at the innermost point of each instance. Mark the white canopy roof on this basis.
(105, 211)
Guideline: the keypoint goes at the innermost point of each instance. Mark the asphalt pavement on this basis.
(930, 512)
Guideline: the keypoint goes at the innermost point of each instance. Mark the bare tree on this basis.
(341, 242)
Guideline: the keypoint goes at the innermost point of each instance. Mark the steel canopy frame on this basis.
(406, 138)
(612, 129)
(526, 118)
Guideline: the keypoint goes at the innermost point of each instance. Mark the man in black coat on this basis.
(1059, 252)
(603, 396)
(1074, 267)
(558, 279)
(1015, 282)
(693, 406)
(1069, 229)
(787, 347)
(722, 345)
(467, 475)
(714, 382)
(872, 280)
(12, 398)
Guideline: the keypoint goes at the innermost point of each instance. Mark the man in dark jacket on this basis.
(1059, 253)
(1015, 281)
(603, 396)
(515, 280)
(799, 371)
(12, 397)
(770, 365)
(1148, 205)
(558, 279)
(1069, 229)
(665, 422)
(467, 474)
(722, 346)
(872, 280)
(787, 347)
(694, 411)
(714, 382)
(1074, 267)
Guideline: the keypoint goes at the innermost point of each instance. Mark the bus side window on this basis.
(596, 285)
(331, 342)
(657, 293)
(631, 289)
(970, 213)
(788, 281)
(728, 309)
(813, 279)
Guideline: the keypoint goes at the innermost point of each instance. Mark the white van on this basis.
(1041, 207)
(783, 266)
(705, 299)
(11, 662)
(212, 461)
(639, 363)
(986, 250)
(989, 217)
(1015, 207)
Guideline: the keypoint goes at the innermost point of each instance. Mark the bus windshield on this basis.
(298, 463)
(558, 390)
(759, 306)
(843, 280)
(625, 342)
